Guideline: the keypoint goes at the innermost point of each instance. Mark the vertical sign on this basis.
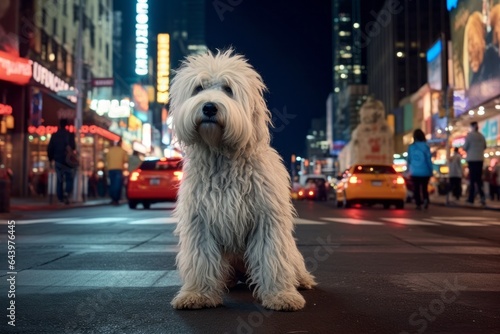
(141, 37)
(163, 68)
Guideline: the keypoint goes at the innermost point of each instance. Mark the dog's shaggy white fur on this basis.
(234, 208)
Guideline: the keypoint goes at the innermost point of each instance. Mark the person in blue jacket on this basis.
(420, 168)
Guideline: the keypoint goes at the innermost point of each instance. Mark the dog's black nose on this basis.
(209, 109)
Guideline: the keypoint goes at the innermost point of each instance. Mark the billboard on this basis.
(475, 33)
(435, 66)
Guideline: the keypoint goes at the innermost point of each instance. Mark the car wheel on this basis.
(132, 204)
(146, 205)
(338, 203)
(400, 205)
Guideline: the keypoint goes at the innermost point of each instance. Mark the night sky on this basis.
(288, 43)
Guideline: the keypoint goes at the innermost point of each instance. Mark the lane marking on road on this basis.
(407, 221)
(159, 220)
(460, 218)
(457, 223)
(300, 221)
(98, 220)
(41, 220)
(352, 221)
(98, 278)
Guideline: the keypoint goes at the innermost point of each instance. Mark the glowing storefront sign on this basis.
(5, 109)
(85, 129)
(14, 69)
(51, 81)
(163, 71)
(114, 108)
(141, 37)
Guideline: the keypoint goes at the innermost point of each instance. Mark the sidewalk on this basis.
(441, 200)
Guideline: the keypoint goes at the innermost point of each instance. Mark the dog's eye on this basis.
(197, 89)
(228, 90)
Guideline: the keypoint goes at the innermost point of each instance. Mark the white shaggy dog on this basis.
(234, 208)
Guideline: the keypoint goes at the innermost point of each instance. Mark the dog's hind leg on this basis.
(271, 270)
(202, 269)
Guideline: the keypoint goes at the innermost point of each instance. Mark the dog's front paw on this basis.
(307, 282)
(284, 301)
(195, 300)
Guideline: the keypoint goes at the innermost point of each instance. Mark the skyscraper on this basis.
(349, 71)
(397, 41)
(186, 25)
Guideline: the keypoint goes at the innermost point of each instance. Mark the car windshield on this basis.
(374, 169)
(161, 165)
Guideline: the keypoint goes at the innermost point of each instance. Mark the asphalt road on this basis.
(112, 270)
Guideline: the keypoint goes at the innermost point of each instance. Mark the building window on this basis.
(64, 35)
(92, 37)
(65, 8)
(45, 46)
(44, 17)
(64, 60)
(54, 27)
(107, 51)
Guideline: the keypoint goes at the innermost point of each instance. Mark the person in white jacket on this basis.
(455, 174)
(474, 145)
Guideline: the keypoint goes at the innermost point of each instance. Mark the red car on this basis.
(156, 180)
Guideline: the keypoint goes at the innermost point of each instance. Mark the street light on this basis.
(79, 99)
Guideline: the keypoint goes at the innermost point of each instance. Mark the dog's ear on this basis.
(261, 121)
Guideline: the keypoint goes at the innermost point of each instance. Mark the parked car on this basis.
(312, 187)
(156, 180)
(371, 184)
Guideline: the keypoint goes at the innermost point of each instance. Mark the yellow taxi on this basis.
(371, 184)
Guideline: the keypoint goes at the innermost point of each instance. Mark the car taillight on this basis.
(301, 193)
(178, 174)
(354, 179)
(311, 193)
(134, 176)
(399, 180)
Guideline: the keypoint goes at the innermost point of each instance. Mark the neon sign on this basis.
(141, 37)
(14, 69)
(85, 129)
(51, 81)
(163, 71)
(5, 109)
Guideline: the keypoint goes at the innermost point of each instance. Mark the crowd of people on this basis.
(474, 172)
(106, 181)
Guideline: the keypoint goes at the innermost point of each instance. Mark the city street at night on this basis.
(112, 270)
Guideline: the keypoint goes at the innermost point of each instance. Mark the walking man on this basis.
(474, 145)
(115, 160)
(56, 151)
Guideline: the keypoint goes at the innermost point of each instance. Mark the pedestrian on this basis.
(115, 161)
(474, 145)
(420, 168)
(495, 181)
(455, 173)
(60, 142)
